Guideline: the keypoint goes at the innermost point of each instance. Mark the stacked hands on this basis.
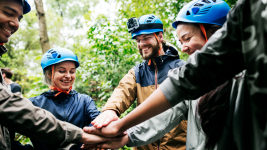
(105, 134)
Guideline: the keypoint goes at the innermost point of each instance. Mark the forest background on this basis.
(96, 32)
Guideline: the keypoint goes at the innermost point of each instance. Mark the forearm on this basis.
(156, 127)
(155, 104)
(20, 115)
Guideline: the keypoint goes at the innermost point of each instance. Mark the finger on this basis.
(90, 130)
(108, 120)
(100, 121)
(88, 146)
(97, 118)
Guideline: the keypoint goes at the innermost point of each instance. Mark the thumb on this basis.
(89, 130)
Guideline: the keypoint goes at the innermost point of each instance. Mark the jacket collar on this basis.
(170, 51)
(3, 50)
(51, 94)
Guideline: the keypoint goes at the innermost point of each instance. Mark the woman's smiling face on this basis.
(190, 37)
(64, 75)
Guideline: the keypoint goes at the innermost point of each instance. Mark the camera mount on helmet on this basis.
(145, 24)
(132, 24)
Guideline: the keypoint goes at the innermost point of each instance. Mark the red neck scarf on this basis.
(1, 44)
(55, 88)
(149, 62)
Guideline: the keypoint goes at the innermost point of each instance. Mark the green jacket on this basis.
(240, 44)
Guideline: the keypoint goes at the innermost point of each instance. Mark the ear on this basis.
(49, 75)
(160, 37)
(4, 75)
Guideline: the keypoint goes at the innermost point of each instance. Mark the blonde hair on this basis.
(47, 73)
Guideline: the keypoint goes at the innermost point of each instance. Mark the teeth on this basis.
(7, 30)
(145, 49)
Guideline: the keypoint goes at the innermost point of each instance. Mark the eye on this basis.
(61, 71)
(187, 39)
(8, 14)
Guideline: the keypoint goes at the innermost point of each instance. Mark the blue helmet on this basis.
(57, 55)
(26, 6)
(203, 11)
(146, 24)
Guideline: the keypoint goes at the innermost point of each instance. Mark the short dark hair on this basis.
(7, 72)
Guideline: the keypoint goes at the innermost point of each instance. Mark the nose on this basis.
(184, 49)
(14, 23)
(68, 75)
(141, 43)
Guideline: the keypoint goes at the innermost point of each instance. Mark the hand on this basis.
(96, 139)
(112, 130)
(110, 144)
(105, 118)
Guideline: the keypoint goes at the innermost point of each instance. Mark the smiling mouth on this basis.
(66, 81)
(145, 49)
(10, 32)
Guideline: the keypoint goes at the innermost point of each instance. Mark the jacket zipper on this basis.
(156, 74)
(156, 86)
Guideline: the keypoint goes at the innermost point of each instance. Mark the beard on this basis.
(155, 49)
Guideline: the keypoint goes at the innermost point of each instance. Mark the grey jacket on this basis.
(232, 135)
(240, 44)
(20, 115)
(156, 127)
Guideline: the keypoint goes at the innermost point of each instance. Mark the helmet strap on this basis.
(55, 88)
(149, 62)
(203, 31)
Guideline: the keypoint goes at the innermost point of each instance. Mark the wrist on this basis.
(112, 111)
(82, 138)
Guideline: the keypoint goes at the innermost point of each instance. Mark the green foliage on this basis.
(110, 55)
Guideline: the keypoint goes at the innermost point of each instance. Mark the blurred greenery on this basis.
(106, 52)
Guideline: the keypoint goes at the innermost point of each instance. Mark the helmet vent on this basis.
(188, 13)
(150, 18)
(214, 1)
(205, 1)
(198, 4)
(204, 10)
(59, 56)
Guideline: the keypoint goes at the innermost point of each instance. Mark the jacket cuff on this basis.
(129, 133)
(111, 108)
(73, 134)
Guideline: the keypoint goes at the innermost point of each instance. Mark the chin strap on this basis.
(203, 31)
(55, 88)
(149, 62)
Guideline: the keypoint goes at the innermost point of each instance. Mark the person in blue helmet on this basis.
(59, 68)
(209, 111)
(18, 113)
(143, 79)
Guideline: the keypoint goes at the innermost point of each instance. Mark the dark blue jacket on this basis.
(75, 108)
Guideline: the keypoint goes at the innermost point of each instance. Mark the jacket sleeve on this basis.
(19, 114)
(156, 127)
(219, 60)
(91, 110)
(124, 95)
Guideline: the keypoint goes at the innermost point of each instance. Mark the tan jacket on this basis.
(139, 84)
(20, 115)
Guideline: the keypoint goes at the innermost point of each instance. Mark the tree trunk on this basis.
(42, 25)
